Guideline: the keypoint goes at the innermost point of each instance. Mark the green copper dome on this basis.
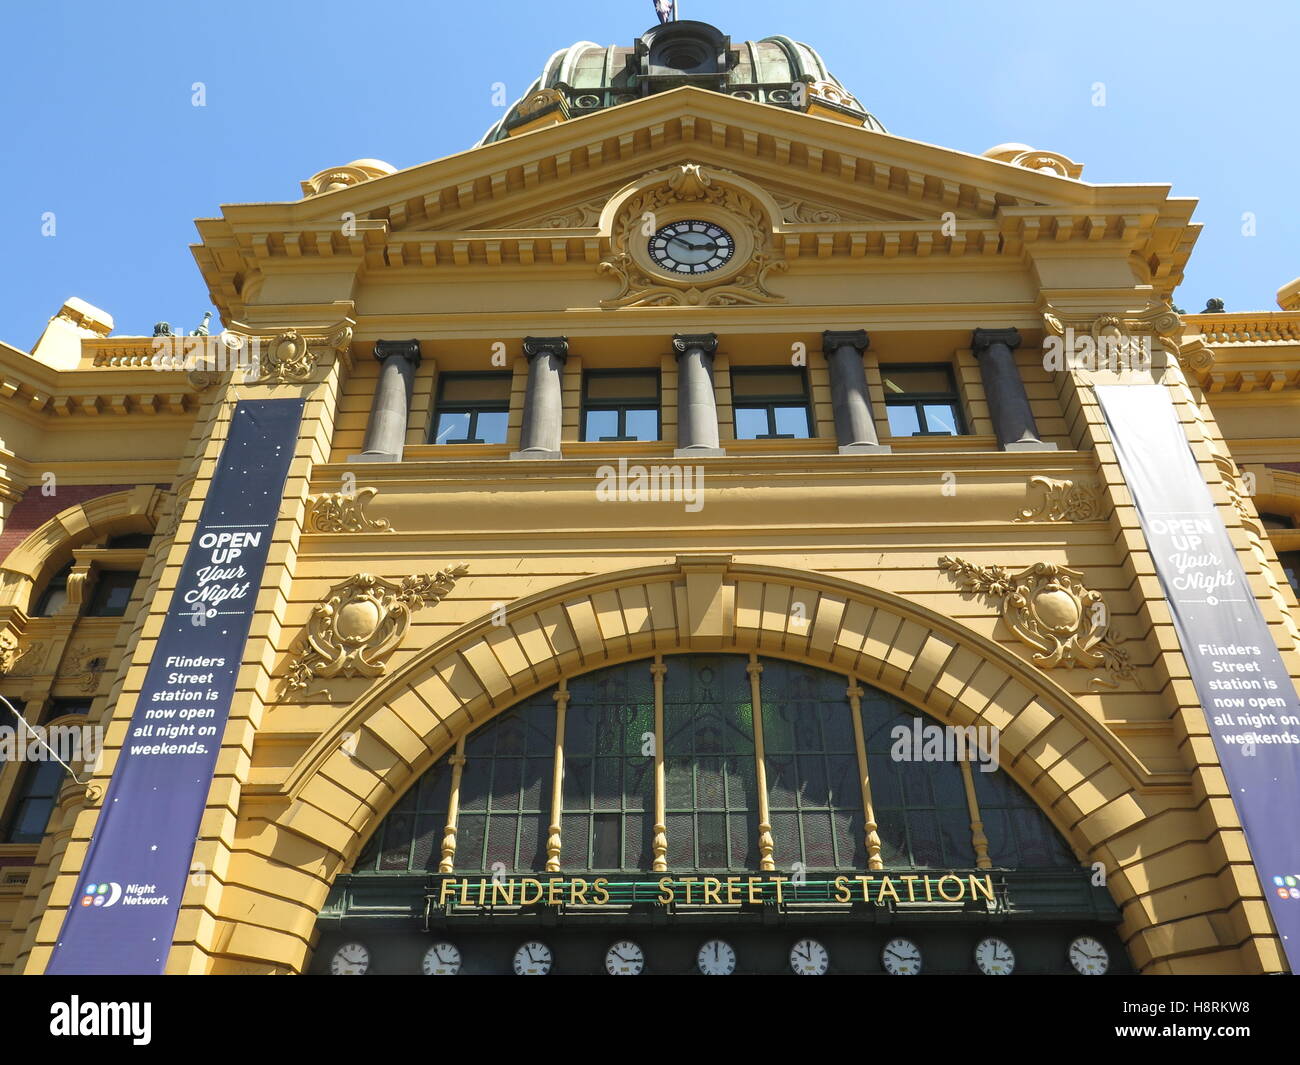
(586, 77)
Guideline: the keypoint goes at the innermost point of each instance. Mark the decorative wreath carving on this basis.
(692, 184)
(291, 356)
(1062, 500)
(1050, 610)
(337, 512)
(359, 624)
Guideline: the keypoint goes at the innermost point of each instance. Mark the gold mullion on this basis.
(660, 844)
(765, 845)
(855, 693)
(978, 838)
(457, 761)
(561, 697)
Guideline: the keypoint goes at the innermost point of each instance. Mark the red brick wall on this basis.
(35, 509)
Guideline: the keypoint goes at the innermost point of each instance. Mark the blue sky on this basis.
(98, 126)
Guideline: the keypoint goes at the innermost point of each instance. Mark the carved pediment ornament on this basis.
(338, 512)
(1051, 611)
(290, 356)
(9, 653)
(359, 624)
(682, 189)
(1126, 334)
(1062, 500)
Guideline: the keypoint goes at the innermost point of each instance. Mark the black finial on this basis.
(1213, 306)
(162, 329)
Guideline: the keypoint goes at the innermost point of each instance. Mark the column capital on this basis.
(556, 346)
(405, 349)
(834, 339)
(705, 342)
(984, 338)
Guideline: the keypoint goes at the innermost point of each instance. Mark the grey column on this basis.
(386, 431)
(697, 408)
(544, 400)
(855, 428)
(1008, 404)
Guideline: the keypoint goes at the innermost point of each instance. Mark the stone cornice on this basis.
(34, 388)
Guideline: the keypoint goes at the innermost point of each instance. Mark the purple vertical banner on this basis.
(1245, 691)
(124, 912)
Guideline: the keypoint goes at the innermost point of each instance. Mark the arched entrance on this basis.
(776, 811)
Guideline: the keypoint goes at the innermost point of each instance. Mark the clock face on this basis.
(716, 958)
(901, 957)
(533, 959)
(994, 957)
(692, 247)
(1089, 957)
(809, 958)
(624, 958)
(442, 959)
(351, 959)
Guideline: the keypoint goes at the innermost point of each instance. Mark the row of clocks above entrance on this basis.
(808, 956)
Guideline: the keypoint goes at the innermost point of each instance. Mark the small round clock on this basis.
(1089, 956)
(351, 959)
(691, 247)
(624, 958)
(533, 959)
(809, 958)
(901, 957)
(716, 958)
(994, 957)
(442, 959)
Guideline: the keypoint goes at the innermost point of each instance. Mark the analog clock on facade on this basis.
(901, 957)
(716, 958)
(994, 957)
(533, 959)
(691, 247)
(1089, 957)
(624, 958)
(351, 959)
(442, 959)
(809, 958)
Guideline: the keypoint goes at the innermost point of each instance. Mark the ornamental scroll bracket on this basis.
(1049, 609)
(358, 625)
(691, 185)
(1131, 335)
(289, 356)
(344, 512)
(1062, 500)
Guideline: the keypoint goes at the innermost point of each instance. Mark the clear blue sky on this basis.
(97, 124)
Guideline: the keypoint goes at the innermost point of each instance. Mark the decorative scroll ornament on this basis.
(1232, 484)
(290, 356)
(1049, 609)
(339, 512)
(360, 623)
(9, 653)
(688, 185)
(1130, 337)
(581, 216)
(1063, 501)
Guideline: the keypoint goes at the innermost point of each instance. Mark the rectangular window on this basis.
(472, 408)
(922, 401)
(1291, 567)
(112, 593)
(33, 802)
(771, 404)
(620, 405)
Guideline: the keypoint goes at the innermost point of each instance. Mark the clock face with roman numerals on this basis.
(692, 247)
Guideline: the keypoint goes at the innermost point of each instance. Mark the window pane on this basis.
(643, 424)
(903, 421)
(601, 423)
(750, 423)
(112, 593)
(940, 418)
(492, 426)
(472, 389)
(767, 384)
(899, 381)
(640, 386)
(1291, 567)
(451, 428)
(792, 421)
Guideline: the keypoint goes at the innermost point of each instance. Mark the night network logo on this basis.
(1288, 887)
(108, 894)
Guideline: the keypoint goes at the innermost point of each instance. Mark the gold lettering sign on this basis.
(949, 887)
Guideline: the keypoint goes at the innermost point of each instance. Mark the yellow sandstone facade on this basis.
(533, 255)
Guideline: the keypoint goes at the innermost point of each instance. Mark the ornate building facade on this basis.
(671, 464)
